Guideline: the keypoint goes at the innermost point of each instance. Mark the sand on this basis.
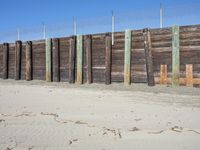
(58, 116)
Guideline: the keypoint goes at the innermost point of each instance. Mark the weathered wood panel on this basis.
(127, 58)
(175, 56)
(38, 54)
(108, 59)
(48, 59)
(148, 57)
(4, 58)
(64, 59)
(189, 75)
(79, 58)
(28, 61)
(138, 62)
(163, 74)
(88, 58)
(23, 62)
(98, 58)
(55, 60)
(1, 61)
(117, 60)
(95, 59)
(18, 51)
(72, 54)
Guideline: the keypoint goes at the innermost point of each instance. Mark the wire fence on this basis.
(119, 21)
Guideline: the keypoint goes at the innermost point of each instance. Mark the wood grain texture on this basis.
(28, 60)
(72, 43)
(189, 75)
(175, 56)
(94, 57)
(79, 56)
(148, 57)
(48, 60)
(55, 60)
(127, 58)
(39, 60)
(108, 59)
(163, 74)
(5, 61)
(88, 46)
(18, 49)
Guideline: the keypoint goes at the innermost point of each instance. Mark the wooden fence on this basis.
(154, 56)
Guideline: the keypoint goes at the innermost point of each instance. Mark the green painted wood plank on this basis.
(79, 56)
(48, 60)
(175, 56)
(127, 58)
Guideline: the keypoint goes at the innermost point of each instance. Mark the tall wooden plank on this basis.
(28, 60)
(48, 60)
(127, 58)
(18, 48)
(148, 57)
(189, 75)
(79, 50)
(163, 74)
(89, 58)
(175, 56)
(108, 59)
(56, 63)
(5, 60)
(72, 46)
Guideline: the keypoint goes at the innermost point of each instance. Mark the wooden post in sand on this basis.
(72, 46)
(88, 46)
(18, 48)
(55, 59)
(108, 59)
(5, 60)
(28, 60)
(148, 57)
(48, 60)
(127, 58)
(189, 75)
(175, 56)
(79, 56)
(163, 74)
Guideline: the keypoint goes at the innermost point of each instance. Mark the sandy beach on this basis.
(37, 115)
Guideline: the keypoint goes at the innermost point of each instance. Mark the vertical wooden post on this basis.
(48, 60)
(79, 50)
(175, 56)
(163, 74)
(189, 75)
(89, 58)
(72, 46)
(127, 58)
(5, 60)
(28, 60)
(18, 47)
(108, 59)
(55, 59)
(148, 57)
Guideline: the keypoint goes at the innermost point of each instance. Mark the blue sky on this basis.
(96, 13)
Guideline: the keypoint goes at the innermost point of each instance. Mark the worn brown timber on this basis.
(55, 61)
(163, 74)
(148, 57)
(71, 58)
(18, 48)
(108, 59)
(5, 60)
(28, 60)
(88, 46)
(94, 62)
